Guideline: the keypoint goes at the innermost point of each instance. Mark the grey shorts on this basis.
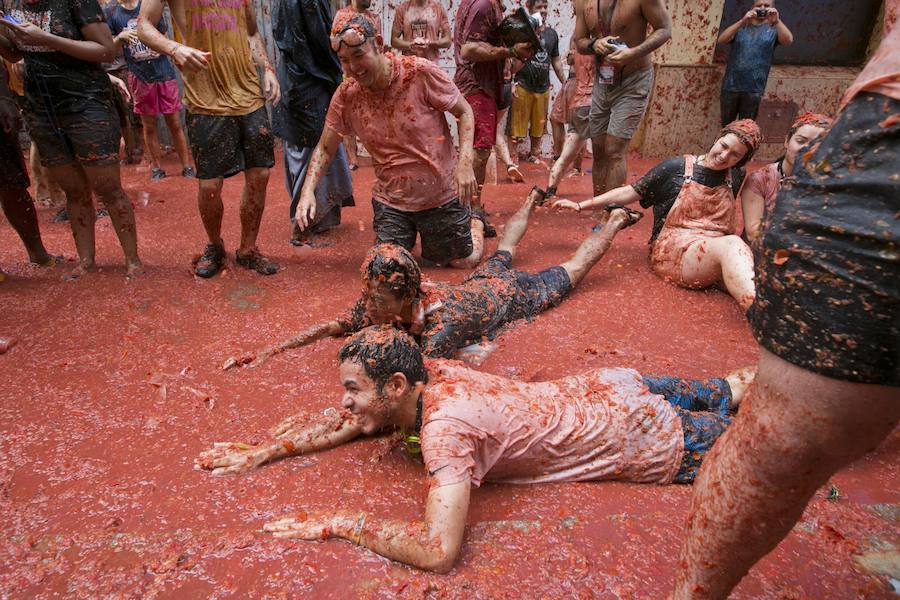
(617, 109)
(580, 121)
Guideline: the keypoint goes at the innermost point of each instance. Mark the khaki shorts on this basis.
(580, 122)
(529, 107)
(617, 109)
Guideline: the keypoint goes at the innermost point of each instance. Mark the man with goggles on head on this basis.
(395, 106)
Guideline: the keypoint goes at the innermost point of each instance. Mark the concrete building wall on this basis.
(684, 114)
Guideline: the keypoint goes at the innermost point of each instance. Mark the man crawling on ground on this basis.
(446, 318)
(469, 426)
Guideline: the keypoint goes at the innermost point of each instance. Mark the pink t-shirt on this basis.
(604, 424)
(426, 21)
(405, 130)
(765, 182)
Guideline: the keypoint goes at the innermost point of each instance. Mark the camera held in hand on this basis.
(762, 13)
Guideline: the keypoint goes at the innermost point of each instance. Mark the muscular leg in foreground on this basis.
(797, 430)
(725, 259)
(19, 210)
(253, 201)
(609, 163)
(209, 201)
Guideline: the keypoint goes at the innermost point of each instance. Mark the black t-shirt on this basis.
(51, 76)
(535, 75)
(660, 186)
(456, 316)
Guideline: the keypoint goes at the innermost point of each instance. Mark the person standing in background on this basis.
(309, 72)
(227, 121)
(531, 94)
(753, 39)
(616, 33)
(154, 89)
(480, 60)
(421, 28)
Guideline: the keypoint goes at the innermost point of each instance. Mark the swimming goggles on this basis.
(349, 36)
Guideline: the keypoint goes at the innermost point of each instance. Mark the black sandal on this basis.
(633, 215)
(543, 194)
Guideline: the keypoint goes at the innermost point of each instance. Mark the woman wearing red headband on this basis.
(759, 192)
(693, 243)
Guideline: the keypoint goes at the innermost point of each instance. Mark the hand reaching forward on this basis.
(226, 458)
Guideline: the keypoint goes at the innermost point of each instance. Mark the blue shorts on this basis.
(705, 410)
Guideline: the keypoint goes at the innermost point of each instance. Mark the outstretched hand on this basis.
(563, 204)
(226, 458)
(250, 360)
(190, 59)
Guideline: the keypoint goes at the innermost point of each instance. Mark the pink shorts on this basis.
(485, 111)
(152, 99)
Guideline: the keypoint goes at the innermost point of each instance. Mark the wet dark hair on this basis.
(359, 22)
(393, 266)
(383, 350)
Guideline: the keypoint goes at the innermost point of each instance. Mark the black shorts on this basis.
(535, 292)
(89, 137)
(225, 145)
(13, 175)
(828, 267)
(446, 231)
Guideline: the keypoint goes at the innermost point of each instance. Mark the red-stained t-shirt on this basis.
(765, 183)
(882, 73)
(603, 424)
(426, 21)
(343, 16)
(405, 130)
(478, 21)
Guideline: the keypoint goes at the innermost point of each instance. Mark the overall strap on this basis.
(689, 160)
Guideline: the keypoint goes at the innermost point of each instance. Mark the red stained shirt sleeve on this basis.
(336, 118)
(479, 22)
(449, 454)
(440, 91)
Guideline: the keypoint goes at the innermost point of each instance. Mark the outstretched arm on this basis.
(295, 435)
(305, 337)
(465, 175)
(432, 544)
(324, 152)
(621, 195)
